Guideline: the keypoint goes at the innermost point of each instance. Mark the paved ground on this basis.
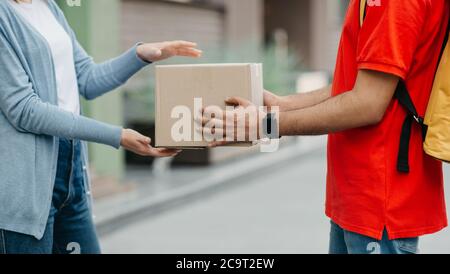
(273, 212)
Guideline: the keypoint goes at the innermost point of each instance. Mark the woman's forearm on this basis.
(95, 80)
(34, 116)
(42, 118)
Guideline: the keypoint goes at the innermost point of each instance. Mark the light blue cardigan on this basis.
(31, 122)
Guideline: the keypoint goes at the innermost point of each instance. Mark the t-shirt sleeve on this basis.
(390, 36)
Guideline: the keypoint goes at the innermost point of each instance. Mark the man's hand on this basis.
(153, 52)
(271, 100)
(243, 124)
(141, 145)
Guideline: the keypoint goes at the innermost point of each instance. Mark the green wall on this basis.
(96, 24)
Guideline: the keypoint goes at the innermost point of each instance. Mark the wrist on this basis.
(281, 129)
(123, 137)
(283, 103)
(140, 53)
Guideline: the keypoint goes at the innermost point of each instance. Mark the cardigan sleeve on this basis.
(94, 80)
(28, 113)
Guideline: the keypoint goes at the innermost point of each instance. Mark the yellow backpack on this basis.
(436, 124)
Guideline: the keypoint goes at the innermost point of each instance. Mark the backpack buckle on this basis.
(419, 119)
(421, 122)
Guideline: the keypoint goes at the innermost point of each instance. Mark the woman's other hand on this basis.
(153, 52)
(141, 145)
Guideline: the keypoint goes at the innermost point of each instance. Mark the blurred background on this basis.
(225, 200)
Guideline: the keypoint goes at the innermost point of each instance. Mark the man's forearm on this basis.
(346, 111)
(304, 100)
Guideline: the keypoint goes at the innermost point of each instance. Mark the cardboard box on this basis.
(179, 85)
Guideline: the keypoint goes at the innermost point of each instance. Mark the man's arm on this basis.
(364, 106)
(297, 101)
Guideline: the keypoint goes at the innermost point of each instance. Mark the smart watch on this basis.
(270, 126)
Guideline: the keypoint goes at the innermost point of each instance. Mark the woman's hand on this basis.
(153, 52)
(141, 145)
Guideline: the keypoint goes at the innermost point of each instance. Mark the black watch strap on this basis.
(270, 127)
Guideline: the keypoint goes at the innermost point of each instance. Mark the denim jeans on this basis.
(345, 242)
(70, 228)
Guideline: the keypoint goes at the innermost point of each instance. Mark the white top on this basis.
(39, 15)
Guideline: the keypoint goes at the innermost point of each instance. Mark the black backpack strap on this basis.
(403, 97)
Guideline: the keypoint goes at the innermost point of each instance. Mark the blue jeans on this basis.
(70, 229)
(345, 242)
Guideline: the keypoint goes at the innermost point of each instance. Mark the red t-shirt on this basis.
(365, 193)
